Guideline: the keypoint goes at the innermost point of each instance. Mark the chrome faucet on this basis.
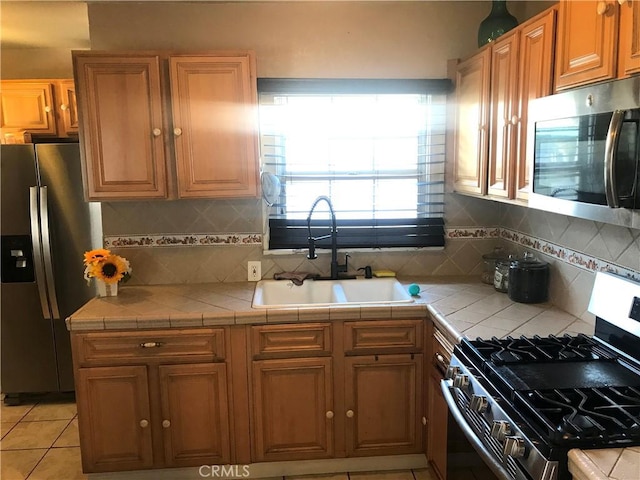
(335, 267)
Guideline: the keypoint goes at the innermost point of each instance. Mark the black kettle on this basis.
(528, 280)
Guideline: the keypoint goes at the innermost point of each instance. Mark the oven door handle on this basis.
(610, 156)
(484, 453)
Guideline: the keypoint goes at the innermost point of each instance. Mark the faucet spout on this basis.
(335, 268)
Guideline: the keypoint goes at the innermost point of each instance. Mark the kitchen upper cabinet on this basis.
(535, 80)
(166, 126)
(472, 123)
(502, 108)
(38, 107)
(597, 41)
(629, 38)
(214, 103)
(120, 100)
(293, 409)
(493, 90)
(67, 108)
(383, 396)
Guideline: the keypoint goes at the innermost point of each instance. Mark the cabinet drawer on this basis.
(125, 347)
(383, 336)
(279, 341)
(442, 350)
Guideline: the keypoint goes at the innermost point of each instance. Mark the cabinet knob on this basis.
(64, 107)
(329, 414)
(144, 423)
(424, 420)
(156, 132)
(47, 109)
(166, 424)
(350, 413)
(515, 120)
(602, 8)
(177, 131)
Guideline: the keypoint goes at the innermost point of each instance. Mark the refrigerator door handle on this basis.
(37, 252)
(46, 254)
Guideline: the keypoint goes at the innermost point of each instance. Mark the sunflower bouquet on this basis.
(105, 266)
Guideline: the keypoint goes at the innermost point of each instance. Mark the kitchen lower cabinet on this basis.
(293, 409)
(152, 399)
(115, 418)
(195, 414)
(383, 397)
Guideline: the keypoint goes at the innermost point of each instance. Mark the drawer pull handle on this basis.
(144, 423)
(166, 424)
(151, 344)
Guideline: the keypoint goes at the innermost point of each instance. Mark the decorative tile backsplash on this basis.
(211, 241)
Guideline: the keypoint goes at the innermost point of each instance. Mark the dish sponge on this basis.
(384, 273)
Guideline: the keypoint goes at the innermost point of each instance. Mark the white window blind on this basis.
(375, 147)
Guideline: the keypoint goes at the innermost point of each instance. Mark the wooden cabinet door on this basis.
(587, 42)
(114, 418)
(472, 123)
(437, 433)
(629, 38)
(121, 126)
(67, 107)
(27, 106)
(195, 414)
(504, 91)
(214, 125)
(537, 41)
(383, 398)
(293, 409)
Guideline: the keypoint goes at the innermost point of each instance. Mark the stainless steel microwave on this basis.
(585, 151)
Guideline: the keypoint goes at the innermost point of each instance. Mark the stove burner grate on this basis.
(584, 416)
(538, 349)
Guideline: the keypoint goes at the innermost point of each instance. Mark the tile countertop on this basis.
(460, 306)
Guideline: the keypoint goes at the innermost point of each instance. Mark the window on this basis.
(376, 148)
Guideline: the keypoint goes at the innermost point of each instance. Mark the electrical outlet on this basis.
(254, 271)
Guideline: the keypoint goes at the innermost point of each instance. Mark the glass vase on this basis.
(107, 289)
(497, 23)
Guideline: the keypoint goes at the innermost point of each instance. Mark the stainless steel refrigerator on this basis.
(45, 229)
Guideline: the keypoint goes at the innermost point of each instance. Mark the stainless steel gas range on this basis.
(523, 403)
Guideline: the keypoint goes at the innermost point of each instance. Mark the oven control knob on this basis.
(500, 429)
(513, 446)
(452, 372)
(461, 380)
(479, 403)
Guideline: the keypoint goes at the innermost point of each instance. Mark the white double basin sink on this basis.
(316, 293)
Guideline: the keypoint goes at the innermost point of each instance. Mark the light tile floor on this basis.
(39, 441)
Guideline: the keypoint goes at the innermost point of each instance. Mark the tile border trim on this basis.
(567, 255)
(182, 240)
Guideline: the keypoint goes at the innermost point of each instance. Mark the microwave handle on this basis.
(610, 157)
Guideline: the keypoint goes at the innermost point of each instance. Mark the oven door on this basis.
(460, 460)
(465, 447)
